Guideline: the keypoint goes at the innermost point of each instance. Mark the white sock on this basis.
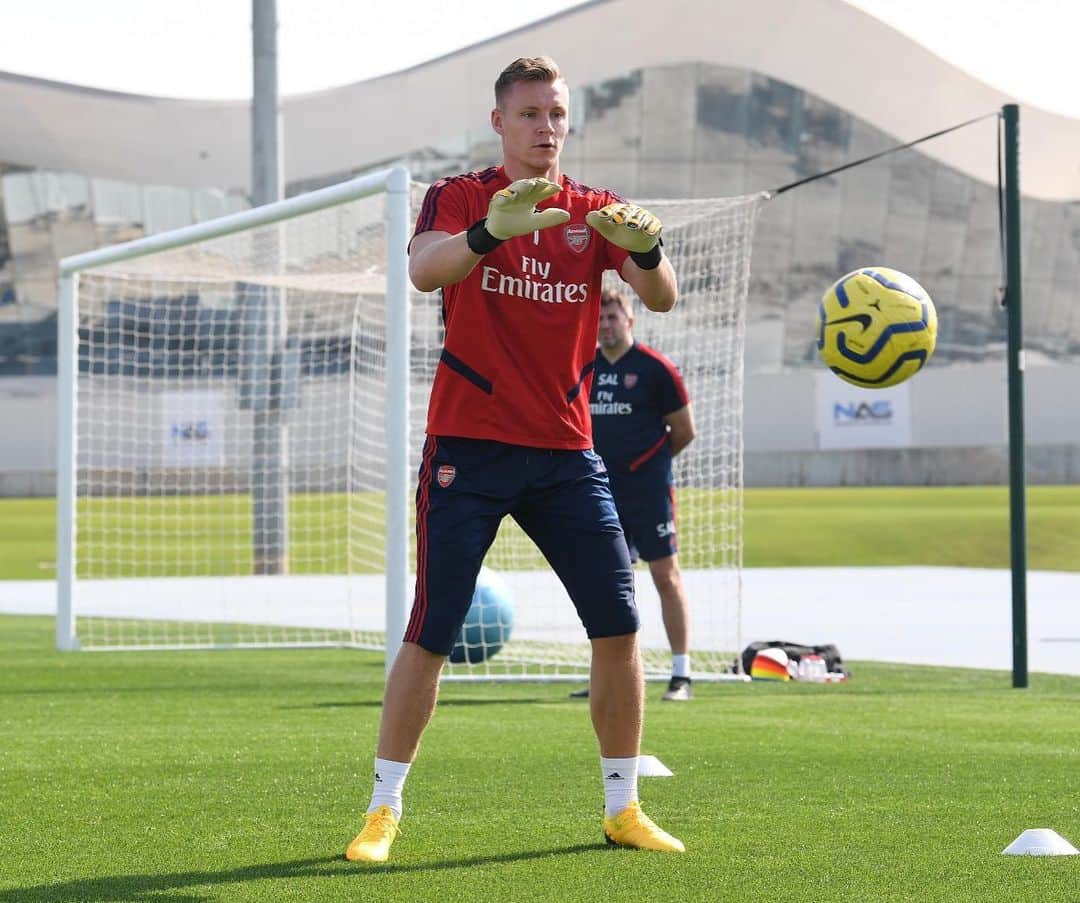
(389, 779)
(680, 665)
(620, 784)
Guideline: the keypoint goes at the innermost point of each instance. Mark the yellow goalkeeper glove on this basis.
(513, 209)
(513, 212)
(630, 227)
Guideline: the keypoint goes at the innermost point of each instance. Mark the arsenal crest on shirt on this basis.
(446, 474)
(629, 380)
(577, 237)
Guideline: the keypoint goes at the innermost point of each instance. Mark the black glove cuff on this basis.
(648, 260)
(481, 241)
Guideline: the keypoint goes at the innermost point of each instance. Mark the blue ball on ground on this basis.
(488, 623)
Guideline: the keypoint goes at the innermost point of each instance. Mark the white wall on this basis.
(959, 431)
(958, 406)
(28, 416)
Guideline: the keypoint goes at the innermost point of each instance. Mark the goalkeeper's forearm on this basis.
(440, 260)
(657, 288)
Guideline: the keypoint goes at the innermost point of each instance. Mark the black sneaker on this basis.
(580, 694)
(678, 690)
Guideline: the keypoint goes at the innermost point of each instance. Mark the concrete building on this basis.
(710, 99)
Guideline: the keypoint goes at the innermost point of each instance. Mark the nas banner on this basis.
(851, 417)
(192, 426)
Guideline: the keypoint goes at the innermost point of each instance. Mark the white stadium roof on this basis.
(825, 47)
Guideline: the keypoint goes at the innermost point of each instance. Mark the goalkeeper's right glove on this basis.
(513, 212)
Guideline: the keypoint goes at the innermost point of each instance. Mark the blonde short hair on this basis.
(526, 69)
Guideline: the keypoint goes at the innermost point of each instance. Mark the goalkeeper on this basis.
(518, 251)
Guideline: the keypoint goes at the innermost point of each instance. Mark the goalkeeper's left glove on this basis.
(630, 227)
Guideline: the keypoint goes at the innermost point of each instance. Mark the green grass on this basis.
(962, 527)
(954, 526)
(239, 776)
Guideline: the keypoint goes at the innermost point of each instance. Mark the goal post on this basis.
(74, 358)
(159, 366)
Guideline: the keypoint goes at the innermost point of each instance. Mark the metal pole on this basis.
(397, 410)
(267, 338)
(67, 366)
(1013, 293)
(267, 182)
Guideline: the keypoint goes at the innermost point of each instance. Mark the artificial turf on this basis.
(222, 776)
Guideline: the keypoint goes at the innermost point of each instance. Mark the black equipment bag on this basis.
(795, 651)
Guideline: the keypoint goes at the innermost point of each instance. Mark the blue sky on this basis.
(202, 48)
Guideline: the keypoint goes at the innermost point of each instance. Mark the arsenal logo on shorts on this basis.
(446, 475)
(630, 380)
(577, 237)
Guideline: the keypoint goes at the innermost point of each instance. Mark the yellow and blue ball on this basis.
(876, 327)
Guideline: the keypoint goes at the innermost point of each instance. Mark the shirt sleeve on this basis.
(673, 394)
(445, 209)
(615, 256)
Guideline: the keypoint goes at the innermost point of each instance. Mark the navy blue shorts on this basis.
(561, 499)
(646, 503)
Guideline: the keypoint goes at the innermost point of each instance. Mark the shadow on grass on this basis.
(135, 888)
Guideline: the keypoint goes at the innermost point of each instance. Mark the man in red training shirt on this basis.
(519, 251)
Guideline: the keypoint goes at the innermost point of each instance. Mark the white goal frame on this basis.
(395, 183)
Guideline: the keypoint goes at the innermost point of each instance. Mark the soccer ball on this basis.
(876, 327)
(488, 623)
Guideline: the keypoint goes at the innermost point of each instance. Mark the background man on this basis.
(641, 419)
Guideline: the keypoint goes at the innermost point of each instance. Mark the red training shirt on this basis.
(521, 328)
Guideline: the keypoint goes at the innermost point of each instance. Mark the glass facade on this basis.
(697, 130)
(688, 130)
(47, 216)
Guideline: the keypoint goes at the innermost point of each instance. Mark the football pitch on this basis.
(237, 776)
(241, 776)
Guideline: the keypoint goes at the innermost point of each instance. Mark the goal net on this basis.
(243, 405)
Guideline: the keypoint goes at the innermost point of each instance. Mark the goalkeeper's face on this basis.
(533, 121)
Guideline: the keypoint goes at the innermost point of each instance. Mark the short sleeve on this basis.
(615, 256)
(673, 394)
(445, 208)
